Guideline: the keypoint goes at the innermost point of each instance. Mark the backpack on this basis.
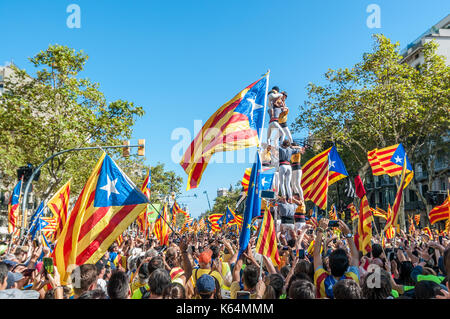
(145, 292)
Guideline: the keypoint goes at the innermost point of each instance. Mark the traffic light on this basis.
(126, 150)
(25, 173)
(141, 148)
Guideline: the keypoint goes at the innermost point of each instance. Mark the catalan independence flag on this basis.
(319, 172)
(236, 125)
(353, 212)
(389, 160)
(161, 229)
(59, 206)
(378, 212)
(393, 218)
(107, 205)
(142, 219)
(214, 220)
(266, 243)
(364, 235)
(441, 212)
(13, 209)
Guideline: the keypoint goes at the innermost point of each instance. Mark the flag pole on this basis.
(265, 107)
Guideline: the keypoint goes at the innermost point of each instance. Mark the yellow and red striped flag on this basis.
(142, 219)
(161, 229)
(49, 230)
(364, 235)
(213, 219)
(59, 206)
(266, 243)
(107, 205)
(332, 213)
(119, 240)
(393, 218)
(441, 212)
(201, 224)
(378, 212)
(412, 228)
(353, 212)
(246, 178)
(236, 125)
(417, 219)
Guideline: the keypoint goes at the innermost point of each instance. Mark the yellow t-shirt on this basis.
(197, 273)
(235, 287)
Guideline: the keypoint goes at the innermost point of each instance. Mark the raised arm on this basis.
(323, 224)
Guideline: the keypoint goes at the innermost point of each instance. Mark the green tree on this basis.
(379, 102)
(57, 110)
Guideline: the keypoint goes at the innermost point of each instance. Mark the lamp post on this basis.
(209, 204)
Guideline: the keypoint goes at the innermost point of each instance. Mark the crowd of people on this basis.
(316, 262)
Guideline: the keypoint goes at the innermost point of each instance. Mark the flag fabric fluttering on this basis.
(266, 243)
(36, 220)
(107, 205)
(390, 160)
(441, 212)
(252, 206)
(59, 206)
(142, 220)
(378, 212)
(393, 218)
(417, 219)
(353, 212)
(320, 172)
(364, 235)
(236, 125)
(332, 213)
(13, 209)
(215, 222)
(349, 190)
(246, 178)
(161, 229)
(412, 228)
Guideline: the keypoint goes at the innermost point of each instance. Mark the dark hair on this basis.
(276, 88)
(299, 276)
(250, 276)
(427, 289)
(275, 287)
(304, 266)
(405, 269)
(118, 285)
(174, 291)
(159, 279)
(377, 250)
(286, 143)
(382, 291)
(347, 289)
(218, 290)
(87, 276)
(155, 263)
(285, 270)
(338, 262)
(446, 258)
(93, 294)
(3, 272)
(215, 252)
(302, 289)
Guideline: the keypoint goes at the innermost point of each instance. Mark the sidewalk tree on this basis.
(56, 109)
(381, 101)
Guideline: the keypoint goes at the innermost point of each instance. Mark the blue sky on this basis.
(181, 60)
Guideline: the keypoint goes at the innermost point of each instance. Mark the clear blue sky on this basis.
(181, 60)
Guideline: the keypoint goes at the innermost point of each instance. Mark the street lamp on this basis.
(209, 204)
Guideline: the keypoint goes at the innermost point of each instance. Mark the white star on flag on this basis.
(110, 186)
(254, 105)
(332, 163)
(263, 181)
(398, 159)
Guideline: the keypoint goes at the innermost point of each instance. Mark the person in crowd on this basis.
(282, 119)
(285, 153)
(274, 110)
(119, 286)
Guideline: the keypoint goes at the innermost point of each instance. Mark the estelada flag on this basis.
(390, 161)
(441, 212)
(235, 125)
(59, 206)
(107, 205)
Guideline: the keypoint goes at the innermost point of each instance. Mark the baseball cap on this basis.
(12, 278)
(205, 284)
(205, 256)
